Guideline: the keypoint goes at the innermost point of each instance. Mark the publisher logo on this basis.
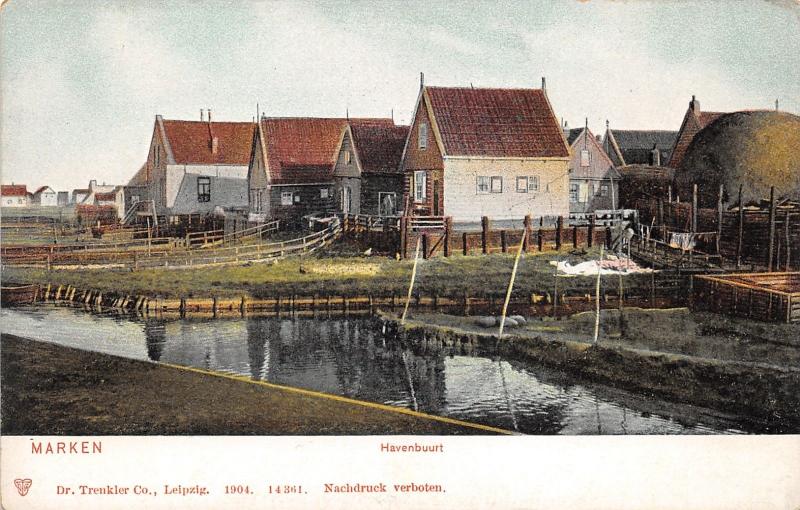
(23, 484)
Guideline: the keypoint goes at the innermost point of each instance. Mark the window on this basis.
(604, 190)
(497, 184)
(204, 189)
(585, 158)
(573, 192)
(483, 184)
(422, 136)
(323, 192)
(297, 198)
(420, 185)
(533, 183)
(522, 184)
(346, 157)
(286, 198)
(387, 204)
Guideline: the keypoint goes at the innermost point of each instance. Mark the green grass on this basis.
(326, 275)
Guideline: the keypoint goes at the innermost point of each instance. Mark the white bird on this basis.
(368, 252)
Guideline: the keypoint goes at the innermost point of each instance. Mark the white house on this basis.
(45, 196)
(14, 195)
(475, 152)
(195, 166)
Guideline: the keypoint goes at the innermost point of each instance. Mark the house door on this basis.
(436, 211)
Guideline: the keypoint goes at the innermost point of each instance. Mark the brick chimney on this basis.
(694, 105)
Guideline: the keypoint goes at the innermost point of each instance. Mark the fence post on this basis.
(540, 236)
(403, 237)
(503, 242)
(485, 235)
(574, 236)
(559, 232)
(590, 233)
(771, 227)
(424, 245)
(719, 216)
(448, 227)
(741, 230)
(608, 238)
(526, 222)
(464, 246)
(788, 240)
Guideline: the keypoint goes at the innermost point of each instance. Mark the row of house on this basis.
(95, 195)
(469, 152)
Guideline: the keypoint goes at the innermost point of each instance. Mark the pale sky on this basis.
(83, 80)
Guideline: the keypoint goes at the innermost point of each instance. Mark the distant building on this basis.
(638, 147)
(62, 199)
(367, 176)
(102, 195)
(642, 184)
(474, 152)
(14, 195)
(45, 196)
(194, 167)
(693, 121)
(593, 181)
(79, 195)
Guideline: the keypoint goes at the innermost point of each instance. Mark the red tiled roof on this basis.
(190, 142)
(14, 190)
(496, 122)
(105, 196)
(693, 122)
(379, 146)
(302, 149)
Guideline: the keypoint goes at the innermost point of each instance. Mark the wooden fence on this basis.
(771, 297)
(176, 255)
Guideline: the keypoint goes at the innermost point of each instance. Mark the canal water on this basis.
(350, 357)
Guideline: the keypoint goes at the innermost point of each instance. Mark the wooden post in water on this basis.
(597, 299)
(411, 284)
(741, 230)
(771, 250)
(484, 235)
(510, 287)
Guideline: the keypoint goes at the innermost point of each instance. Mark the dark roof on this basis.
(635, 146)
(303, 149)
(379, 146)
(646, 172)
(496, 122)
(41, 188)
(14, 190)
(191, 142)
(572, 134)
(632, 139)
(105, 196)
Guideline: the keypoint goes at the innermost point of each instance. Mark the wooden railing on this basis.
(423, 223)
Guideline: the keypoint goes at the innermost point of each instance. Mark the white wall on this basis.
(464, 203)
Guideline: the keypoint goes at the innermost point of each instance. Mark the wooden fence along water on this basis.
(651, 291)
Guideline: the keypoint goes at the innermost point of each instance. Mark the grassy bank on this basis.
(733, 365)
(323, 275)
(55, 390)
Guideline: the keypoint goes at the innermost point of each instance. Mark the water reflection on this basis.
(351, 357)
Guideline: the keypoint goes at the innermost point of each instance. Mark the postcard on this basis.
(380, 254)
